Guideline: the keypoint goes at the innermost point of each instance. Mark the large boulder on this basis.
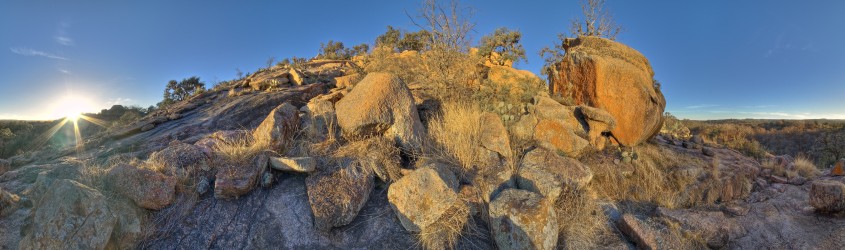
(62, 171)
(381, 104)
(601, 73)
(522, 219)
(547, 173)
(557, 136)
(422, 197)
(279, 126)
(337, 194)
(69, 216)
(147, 188)
(827, 196)
(547, 108)
(598, 122)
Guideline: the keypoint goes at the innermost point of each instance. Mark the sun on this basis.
(72, 107)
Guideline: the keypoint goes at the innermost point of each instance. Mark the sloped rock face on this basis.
(611, 76)
(70, 215)
(147, 188)
(523, 220)
(549, 174)
(422, 197)
(381, 104)
(279, 126)
(338, 194)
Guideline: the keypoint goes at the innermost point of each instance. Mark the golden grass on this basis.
(379, 154)
(455, 135)
(446, 231)
(581, 222)
(651, 178)
(805, 167)
(241, 150)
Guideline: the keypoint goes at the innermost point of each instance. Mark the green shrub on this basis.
(502, 46)
(178, 91)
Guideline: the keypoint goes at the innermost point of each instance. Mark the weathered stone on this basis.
(381, 105)
(294, 164)
(178, 156)
(524, 128)
(521, 219)
(147, 127)
(558, 137)
(422, 197)
(69, 216)
(147, 188)
(549, 109)
(337, 194)
(279, 126)
(601, 73)
(233, 180)
(494, 136)
(549, 174)
(5, 165)
(642, 235)
(45, 179)
(708, 152)
(827, 196)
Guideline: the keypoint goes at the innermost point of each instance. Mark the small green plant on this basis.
(178, 91)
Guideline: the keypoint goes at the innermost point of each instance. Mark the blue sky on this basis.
(716, 59)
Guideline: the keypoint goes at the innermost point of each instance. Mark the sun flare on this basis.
(72, 107)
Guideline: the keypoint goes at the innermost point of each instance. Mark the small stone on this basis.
(266, 180)
(708, 151)
(839, 168)
(203, 185)
(148, 127)
(827, 196)
(626, 159)
(294, 164)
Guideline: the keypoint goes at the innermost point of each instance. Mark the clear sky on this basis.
(715, 59)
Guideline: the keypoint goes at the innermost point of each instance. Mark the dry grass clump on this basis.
(805, 167)
(379, 154)
(440, 73)
(650, 178)
(581, 222)
(446, 231)
(455, 135)
(240, 150)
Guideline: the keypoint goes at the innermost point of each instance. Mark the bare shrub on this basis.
(449, 24)
(597, 21)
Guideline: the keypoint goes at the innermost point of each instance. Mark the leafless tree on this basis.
(597, 21)
(449, 24)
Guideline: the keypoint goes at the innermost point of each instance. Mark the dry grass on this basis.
(651, 178)
(438, 73)
(446, 231)
(240, 150)
(805, 167)
(378, 153)
(581, 222)
(455, 135)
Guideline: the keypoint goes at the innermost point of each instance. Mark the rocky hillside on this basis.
(365, 154)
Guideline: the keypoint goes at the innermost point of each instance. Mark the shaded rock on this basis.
(147, 127)
(492, 180)
(234, 180)
(642, 235)
(494, 136)
(203, 185)
(5, 166)
(337, 195)
(601, 73)
(147, 188)
(708, 151)
(381, 104)
(294, 164)
(422, 197)
(69, 216)
(549, 174)
(598, 122)
(296, 77)
(521, 219)
(61, 171)
(321, 115)
(558, 137)
(827, 196)
(279, 126)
